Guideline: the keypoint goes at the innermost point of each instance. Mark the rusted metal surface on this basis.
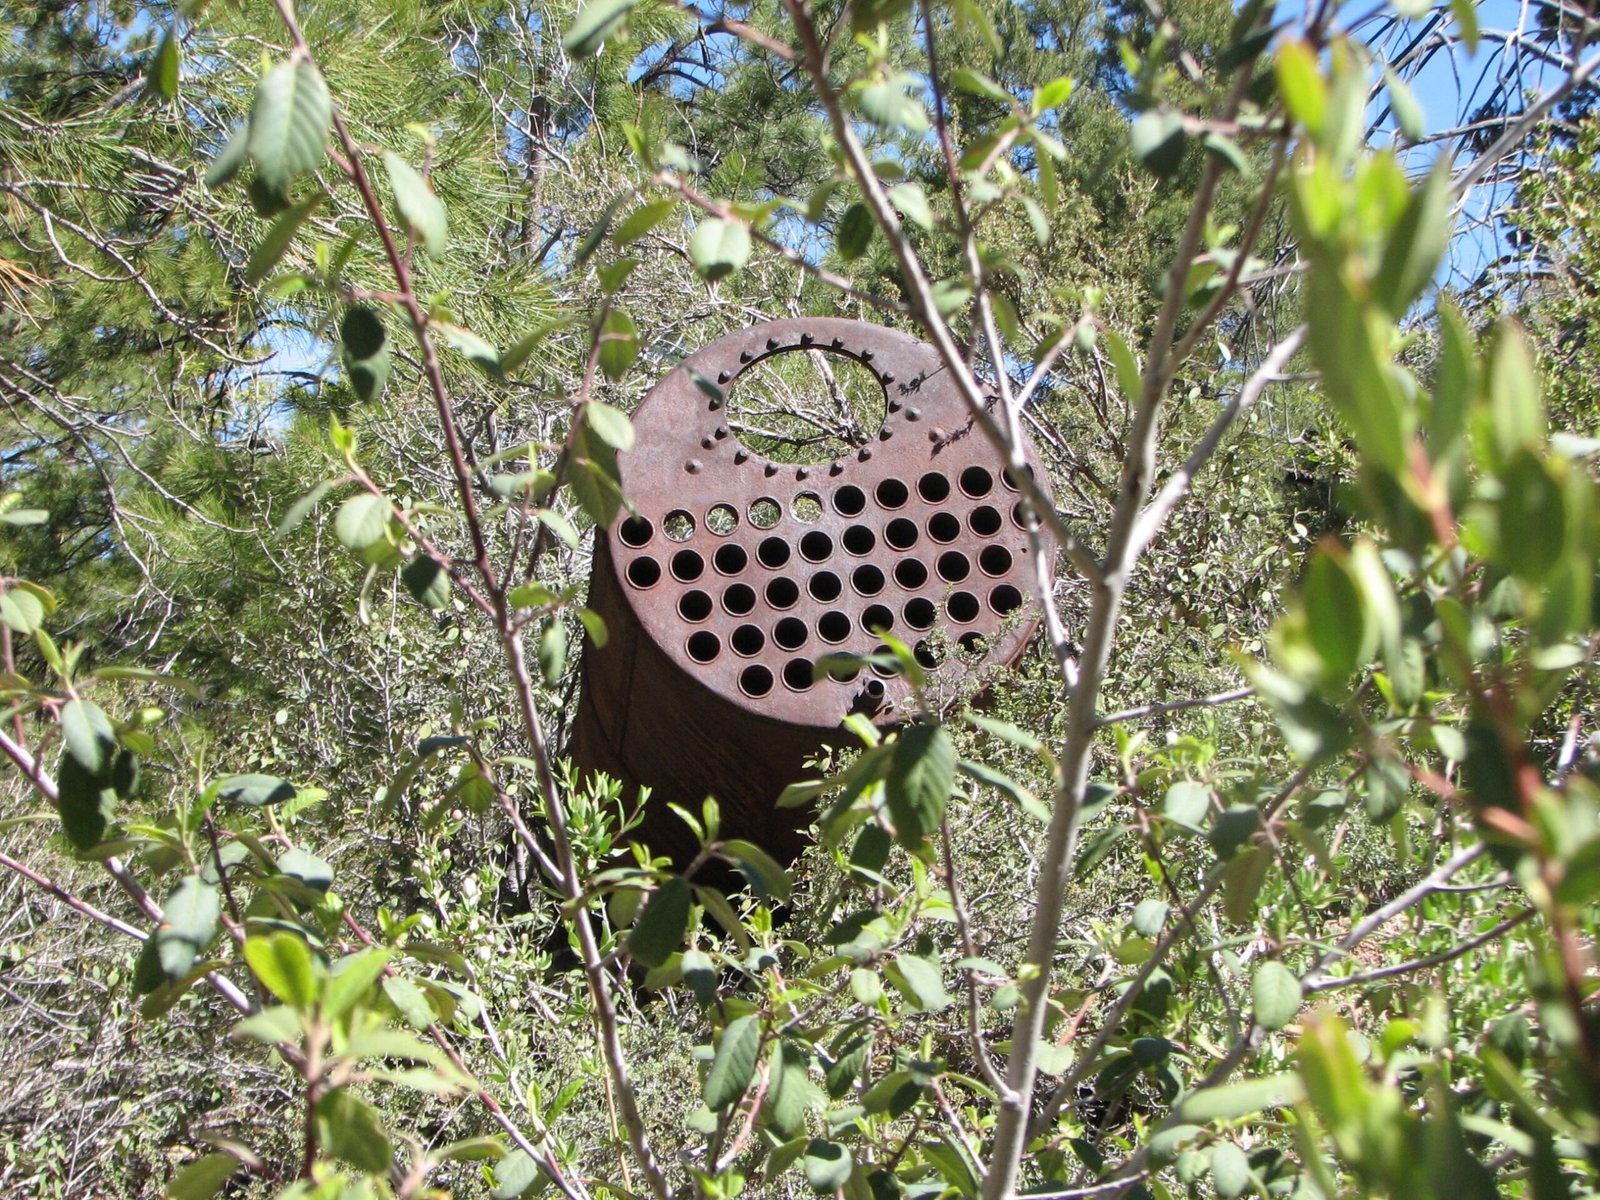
(735, 574)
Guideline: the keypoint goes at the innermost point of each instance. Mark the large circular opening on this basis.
(644, 573)
(635, 532)
(755, 681)
(910, 573)
(782, 592)
(739, 599)
(790, 633)
(816, 546)
(806, 407)
(773, 552)
(687, 566)
(748, 640)
(833, 626)
(694, 607)
(985, 521)
(730, 559)
(798, 674)
(704, 646)
(825, 586)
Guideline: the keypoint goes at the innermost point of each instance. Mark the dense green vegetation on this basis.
(1271, 870)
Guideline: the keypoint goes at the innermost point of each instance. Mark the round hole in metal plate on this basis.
(944, 527)
(755, 680)
(816, 546)
(1005, 599)
(636, 531)
(730, 559)
(764, 513)
(877, 618)
(859, 540)
(1023, 516)
(976, 481)
(910, 573)
(934, 487)
(799, 674)
(747, 641)
(901, 533)
(972, 646)
(806, 507)
(704, 646)
(694, 606)
(721, 519)
(849, 500)
(892, 493)
(920, 613)
(1010, 480)
(644, 573)
(887, 669)
(687, 566)
(782, 592)
(867, 579)
(790, 633)
(678, 526)
(739, 599)
(985, 520)
(962, 607)
(833, 626)
(954, 566)
(772, 553)
(994, 560)
(825, 586)
(928, 654)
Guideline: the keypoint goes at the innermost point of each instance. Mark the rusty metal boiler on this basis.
(734, 574)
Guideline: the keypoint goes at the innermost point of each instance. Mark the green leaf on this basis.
(827, 1166)
(1532, 518)
(480, 353)
(189, 922)
(595, 626)
(310, 870)
(592, 475)
(1129, 378)
(553, 651)
(515, 1175)
(770, 881)
(1407, 112)
(289, 123)
(788, 1089)
(1301, 84)
(301, 508)
(922, 771)
(912, 204)
(855, 232)
(524, 346)
(700, 973)
(21, 610)
(421, 211)
(254, 791)
(163, 75)
(1149, 917)
(1412, 255)
(611, 425)
(1052, 95)
(362, 521)
(1465, 13)
(427, 581)
(846, 1066)
(923, 985)
(1230, 1170)
(642, 220)
(276, 242)
(888, 104)
(89, 736)
(718, 248)
(1022, 797)
(1232, 1100)
(351, 979)
(233, 155)
(1341, 631)
(282, 962)
(734, 1064)
(1188, 804)
(660, 929)
(203, 1178)
(24, 516)
(349, 1128)
(973, 83)
(87, 804)
(410, 1001)
(1158, 140)
(595, 23)
(364, 352)
(1276, 992)
(619, 344)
